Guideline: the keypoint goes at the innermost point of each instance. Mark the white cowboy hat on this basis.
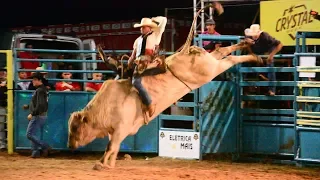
(39, 69)
(146, 22)
(254, 30)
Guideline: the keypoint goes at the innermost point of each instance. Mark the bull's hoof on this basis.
(98, 167)
(127, 157)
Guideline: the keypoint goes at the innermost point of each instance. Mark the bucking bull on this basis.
(116, 110)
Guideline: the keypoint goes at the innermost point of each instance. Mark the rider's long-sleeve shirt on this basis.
(153, 39)
(39, 102)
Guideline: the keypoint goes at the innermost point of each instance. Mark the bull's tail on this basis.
(145, 114)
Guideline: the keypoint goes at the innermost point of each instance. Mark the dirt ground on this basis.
(79, 166)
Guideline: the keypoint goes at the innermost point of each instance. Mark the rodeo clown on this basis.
(145, 48)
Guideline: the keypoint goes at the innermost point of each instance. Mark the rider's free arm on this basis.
(275, 43)
(159, 31)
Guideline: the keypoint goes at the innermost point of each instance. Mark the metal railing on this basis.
(9, 118)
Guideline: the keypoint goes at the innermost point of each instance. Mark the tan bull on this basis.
(117, 111)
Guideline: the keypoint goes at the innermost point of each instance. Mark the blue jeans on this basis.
(145, 98)
(272, 77)
(35, 125)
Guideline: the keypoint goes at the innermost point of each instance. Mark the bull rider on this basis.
(145, 48)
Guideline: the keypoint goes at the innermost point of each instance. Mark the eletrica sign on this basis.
(283, 18)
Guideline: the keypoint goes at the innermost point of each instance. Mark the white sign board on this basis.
(310, 62)
(177, 144)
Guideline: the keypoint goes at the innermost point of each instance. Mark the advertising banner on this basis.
(282, 19)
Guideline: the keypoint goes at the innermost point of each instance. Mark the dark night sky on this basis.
(36, 12)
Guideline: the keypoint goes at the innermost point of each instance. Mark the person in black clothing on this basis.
(38, 114)
(263, 43)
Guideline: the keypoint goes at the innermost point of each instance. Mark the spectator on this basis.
(23, 85)
(211, 30)
(28, 55)
(66, 85)
(3, 108)
(92, 86)
(263, 43)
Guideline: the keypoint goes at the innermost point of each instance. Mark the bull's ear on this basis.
(77, 115)
(84, 119)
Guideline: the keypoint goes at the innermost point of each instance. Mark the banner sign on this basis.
(282, 19)
(177, 144)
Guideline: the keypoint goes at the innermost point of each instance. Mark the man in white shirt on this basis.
(145, 48)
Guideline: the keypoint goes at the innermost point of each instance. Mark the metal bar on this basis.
(307, 54)
(295, 104)
(307, 116)
(10, 80)
(176, 117)
(220, 37)
(70, 80)
(308, 68)
(186, 104)
(79, 51)
(266, 69)
(63, 60)
(268, 124)
(308, 84)
(308, 120)
(307, 160)
(268, 118)
(307, 123)
(265, 98)
(268, 83)
(278, 56)
(71, 71)
(308, 97)
(307, 128)
(307, 112)
(177, 129)
(54, 92)
(268, 111)
(313, 101)
(72, 51)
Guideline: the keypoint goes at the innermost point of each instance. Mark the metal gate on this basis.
(61, 104)
(218, 101)
(6, 114)
(307, 124)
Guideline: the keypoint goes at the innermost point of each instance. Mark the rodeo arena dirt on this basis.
(79, 166)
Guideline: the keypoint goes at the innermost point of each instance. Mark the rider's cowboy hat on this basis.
(254, 30)
(146, 22)
(39, 69)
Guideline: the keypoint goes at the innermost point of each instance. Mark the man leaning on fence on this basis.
(263, 43)
(38, 114)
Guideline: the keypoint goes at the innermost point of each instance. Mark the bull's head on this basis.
(81, 130)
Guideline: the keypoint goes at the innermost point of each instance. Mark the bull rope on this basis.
(121, 61)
